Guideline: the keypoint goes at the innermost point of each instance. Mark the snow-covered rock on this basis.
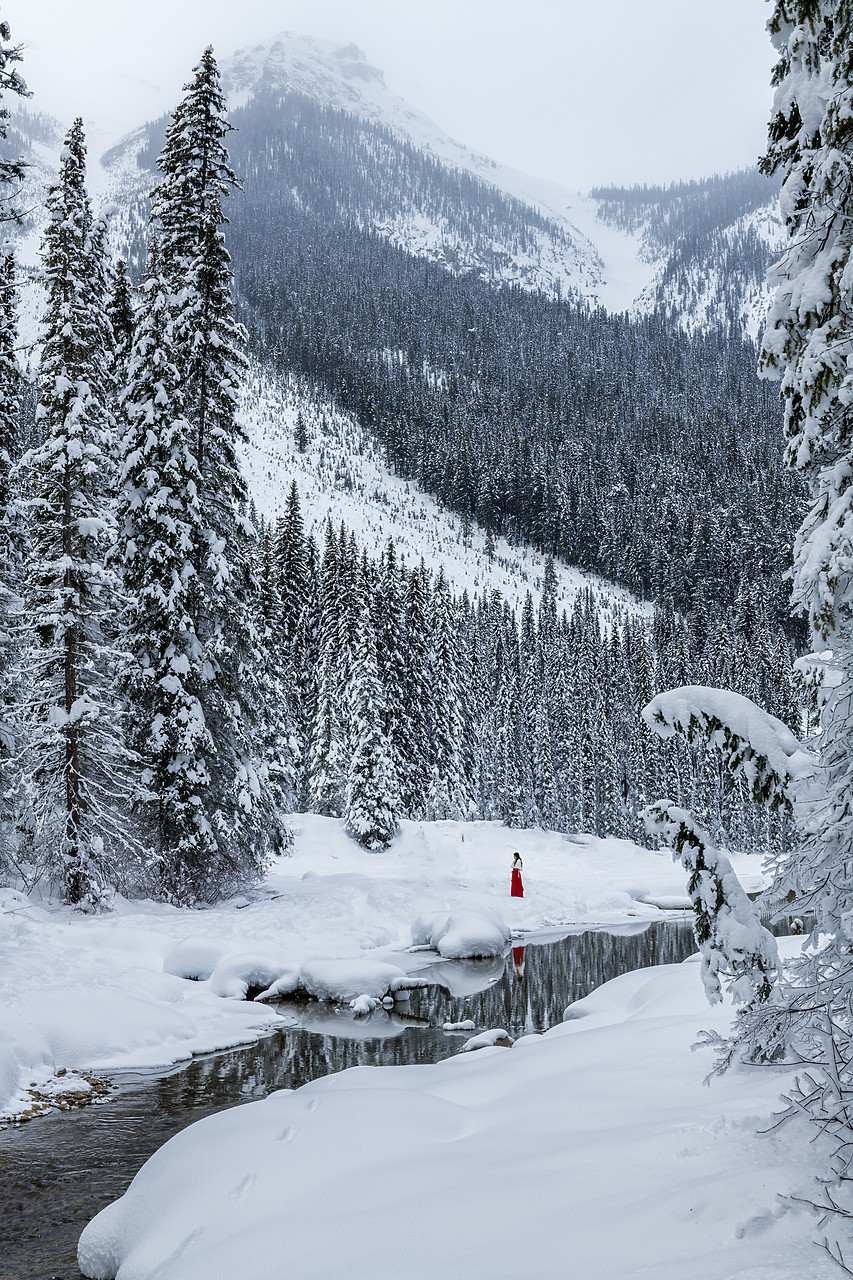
(460, 935)
(194, 958)
(495, 1037)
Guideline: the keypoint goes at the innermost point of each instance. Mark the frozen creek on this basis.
(59, 1170)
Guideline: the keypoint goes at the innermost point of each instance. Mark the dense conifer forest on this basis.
(615, 444)
(235, 678)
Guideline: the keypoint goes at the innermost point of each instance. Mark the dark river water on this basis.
(57, 1171)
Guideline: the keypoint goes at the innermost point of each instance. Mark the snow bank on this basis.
(233, 978)
(345, 980)
(462, 935)
(593, 1150)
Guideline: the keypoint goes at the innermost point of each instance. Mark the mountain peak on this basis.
(337, 74)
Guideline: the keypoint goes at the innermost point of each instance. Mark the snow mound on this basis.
(462, 935)
(495, 1037)
(234, 977)
(343, 981)
(194, 958)
(606, 1111)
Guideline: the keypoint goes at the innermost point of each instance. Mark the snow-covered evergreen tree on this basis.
(809, 343)
(11, 532)
(120, 313)
(160, 522)
(13, 549)
(372, 804)
(415, 747)
(11, 81)
(327, 763)
(187, 544)
(75, 766)
(291, 554)
(449, 793)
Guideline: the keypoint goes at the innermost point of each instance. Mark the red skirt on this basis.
(517, 889)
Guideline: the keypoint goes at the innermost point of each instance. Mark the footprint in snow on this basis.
(249, 1181)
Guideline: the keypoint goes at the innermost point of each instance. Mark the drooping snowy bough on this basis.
(754, 745)
(763, 751)
(733, 943)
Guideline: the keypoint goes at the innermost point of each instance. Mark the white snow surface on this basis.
(592, 1151)
(117, 990)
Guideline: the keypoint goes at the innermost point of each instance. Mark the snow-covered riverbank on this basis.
(590, 1151)
(82, 992)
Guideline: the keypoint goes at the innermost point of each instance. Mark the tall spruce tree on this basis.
(11, 81)
(11, 530)
(120, 313)
(809, 340)
(806, 1017)
(199, 680)
(159, 539)
(75, 763)
(372, 802)
(10, 522)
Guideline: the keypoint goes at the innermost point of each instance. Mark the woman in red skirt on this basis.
(517, 888)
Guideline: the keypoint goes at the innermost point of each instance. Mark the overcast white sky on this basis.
(578, 91)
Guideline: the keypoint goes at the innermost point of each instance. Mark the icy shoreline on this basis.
(113, 992)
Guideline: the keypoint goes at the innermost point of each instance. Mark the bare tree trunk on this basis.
(73, 879)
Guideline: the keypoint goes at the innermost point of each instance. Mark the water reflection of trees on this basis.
(556, 974)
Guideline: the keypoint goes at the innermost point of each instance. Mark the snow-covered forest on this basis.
(404, 566)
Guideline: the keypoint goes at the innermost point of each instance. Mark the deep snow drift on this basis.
(150, 985)
(591, 1151)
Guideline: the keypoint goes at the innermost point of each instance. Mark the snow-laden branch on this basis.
(733, 943)
(754, 745)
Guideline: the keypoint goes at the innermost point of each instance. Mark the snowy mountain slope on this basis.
(568, 243)
(619, 267)
(709, 243)
(341, 77)
(341, 475)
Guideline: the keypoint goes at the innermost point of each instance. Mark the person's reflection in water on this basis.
(518, 961)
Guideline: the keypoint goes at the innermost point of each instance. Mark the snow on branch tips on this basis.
(732, 941)
(754, 745)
